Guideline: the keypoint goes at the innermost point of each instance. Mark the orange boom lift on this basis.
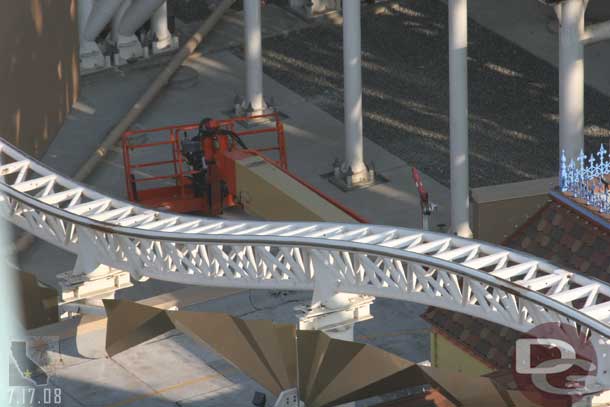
(196, 173)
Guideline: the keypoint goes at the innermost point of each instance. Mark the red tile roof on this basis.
(563, 232)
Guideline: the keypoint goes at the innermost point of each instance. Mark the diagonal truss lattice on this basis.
(475, 278)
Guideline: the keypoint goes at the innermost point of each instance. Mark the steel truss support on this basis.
(497, 284)
(90, 280)
(331, 311)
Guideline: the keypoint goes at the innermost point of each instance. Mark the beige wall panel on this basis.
(497, 211)
(446, 355)
(270, 194)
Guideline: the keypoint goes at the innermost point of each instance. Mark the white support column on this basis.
(571, 78)
(254, 102)
(116, 20)
(128, 45)
(353, 172)
(91, 56)
(164, 41)
(458, 117)
(352, 83)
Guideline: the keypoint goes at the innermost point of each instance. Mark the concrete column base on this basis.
(242, 109)
(127, 48)
(91, 57)
(315, 8)
(347, 180)
(168, 44)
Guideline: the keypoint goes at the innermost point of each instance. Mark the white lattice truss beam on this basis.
(497, 284)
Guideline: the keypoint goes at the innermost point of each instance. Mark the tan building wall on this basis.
(498, 210)
(38, 70)
(446, 355)
(269, 193)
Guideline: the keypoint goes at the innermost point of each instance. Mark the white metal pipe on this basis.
(571, 78)
(352, 88)
(137, 14)
(458, 117)
(159, 25)
(117, 18)
(84, 11)
(253, 55)
(99, 17)
(596, 33)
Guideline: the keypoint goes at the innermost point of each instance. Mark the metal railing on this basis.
(587, 178)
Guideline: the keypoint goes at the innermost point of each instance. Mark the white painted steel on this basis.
(596, 33)
(253, 49)
(493, 283)
(117, 18)
(137, 14)
(571, 78)
(99, 17)
(458, 117)
(161, 28)
(352, 88)
(84, 11)
(90, 54)
(475, 278)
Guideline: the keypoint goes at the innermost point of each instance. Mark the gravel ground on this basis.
(513, 95)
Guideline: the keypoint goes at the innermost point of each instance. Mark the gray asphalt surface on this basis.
(513, 94)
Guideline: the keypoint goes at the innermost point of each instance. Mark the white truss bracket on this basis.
(331, 311)
(79, 287)
(338, 322)
(90, 278)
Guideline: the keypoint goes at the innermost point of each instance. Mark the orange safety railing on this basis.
(171, 136)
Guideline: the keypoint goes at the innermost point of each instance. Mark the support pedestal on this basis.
(91, 57)
(347, 180)
(168, 44)
(337, 316)
(79, 287)
(242, 109)
(127, 48)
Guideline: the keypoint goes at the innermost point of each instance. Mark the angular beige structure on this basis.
(326, 371)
